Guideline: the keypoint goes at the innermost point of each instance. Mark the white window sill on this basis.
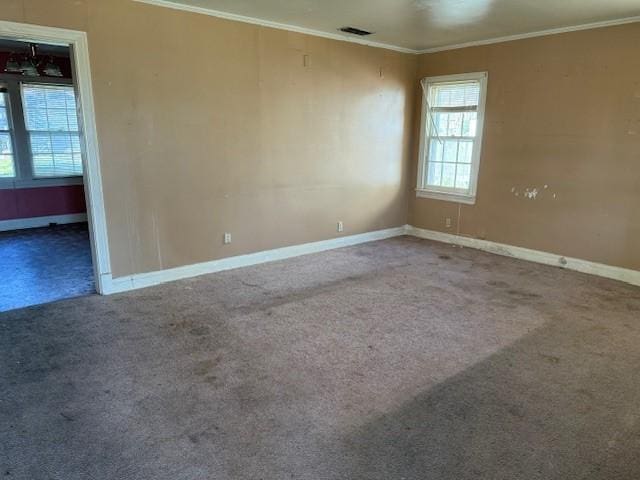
(447, 197)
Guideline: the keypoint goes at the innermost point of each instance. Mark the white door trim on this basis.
(92, 176)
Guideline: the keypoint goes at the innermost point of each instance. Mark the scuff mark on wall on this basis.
(156, 234)
(531, 193)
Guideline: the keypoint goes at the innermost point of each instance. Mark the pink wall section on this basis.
(41, 202)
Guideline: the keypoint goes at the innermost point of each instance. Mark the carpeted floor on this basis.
(398, 359)
(41, 265)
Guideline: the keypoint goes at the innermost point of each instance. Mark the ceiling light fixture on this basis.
(30, 64)
(28, 67)
(12, 66)
(51, 69)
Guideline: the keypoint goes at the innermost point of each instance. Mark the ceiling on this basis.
(426, 24)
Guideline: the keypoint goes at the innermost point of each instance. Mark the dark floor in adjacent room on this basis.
(397, 359)
(43, 265)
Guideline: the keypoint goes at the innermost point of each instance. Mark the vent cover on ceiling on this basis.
(354, 31)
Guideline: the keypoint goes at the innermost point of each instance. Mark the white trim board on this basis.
(539, 33)
(142, 280)
(278, 26)
(584, 266)
(36, 222)
(346, 38)
(91, 156)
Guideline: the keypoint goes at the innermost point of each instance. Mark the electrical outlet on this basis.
(227, 238)
(448, 222)
(340, 227)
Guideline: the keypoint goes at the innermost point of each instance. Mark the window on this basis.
(7, 165)
(52, 125)
(451, 136)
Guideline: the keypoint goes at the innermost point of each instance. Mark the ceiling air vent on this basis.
(355, 31)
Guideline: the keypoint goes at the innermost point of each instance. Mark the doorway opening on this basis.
(52, 225)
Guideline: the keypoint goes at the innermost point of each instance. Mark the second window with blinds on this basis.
(451, 136)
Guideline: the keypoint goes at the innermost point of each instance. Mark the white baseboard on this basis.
(142, 280)
(36, 222)
(584, 266)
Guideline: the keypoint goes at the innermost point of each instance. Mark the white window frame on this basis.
(22, 155)
(443, 193)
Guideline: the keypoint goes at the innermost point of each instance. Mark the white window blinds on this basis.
(52, 122)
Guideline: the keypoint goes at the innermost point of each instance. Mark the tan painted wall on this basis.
(207, 126)
(562, 111)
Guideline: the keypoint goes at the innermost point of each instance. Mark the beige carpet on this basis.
(398, 359)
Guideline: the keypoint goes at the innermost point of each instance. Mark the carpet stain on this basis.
(551, 359)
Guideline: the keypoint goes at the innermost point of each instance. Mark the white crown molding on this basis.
(142, 280)
(276, 25)
(540, 33)
(346, 38)
(601, 270)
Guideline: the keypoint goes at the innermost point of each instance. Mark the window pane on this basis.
(56, 98)
(440, 124)
(469, 124)
(34, 97)
(455, 124)
(4, 121)
(43, 165)
(75, 144)
(77, 162)
(55, 154)
(6, 166)
(463, 176)
(49, 107)
(40, 143)
(5, 144)
(452, 124)
(450, 151)
(465, 148)
(63, 164)
(60, 144)
(434, 174)
(72, 120)
(448, 174)
(57, 119)
(435, 150)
